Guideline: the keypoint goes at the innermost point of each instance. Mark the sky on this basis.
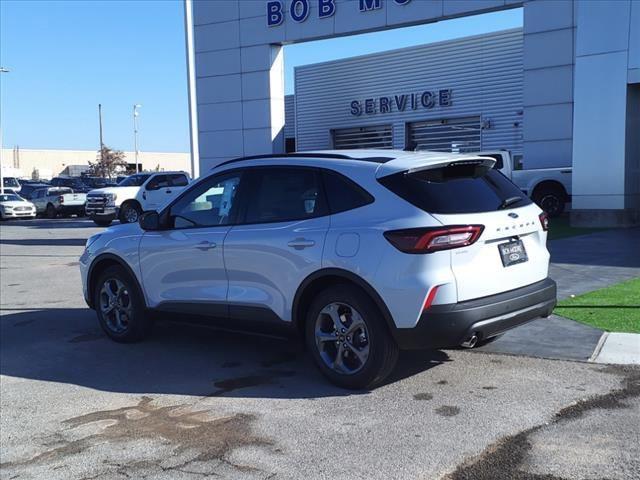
(66, 57)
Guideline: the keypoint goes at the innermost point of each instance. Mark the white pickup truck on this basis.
(550, 188)
(54, 201)
(134, 195)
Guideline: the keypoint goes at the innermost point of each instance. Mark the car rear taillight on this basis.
(427, 240)
(544, 221)
(61, 199)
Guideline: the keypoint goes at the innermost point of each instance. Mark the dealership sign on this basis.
(299, 9)
(400, 103)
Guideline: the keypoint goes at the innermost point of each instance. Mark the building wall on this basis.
(289, 117)
(52, 162)
(239, 64)
(483, 72)
(607, 66)
(549, 44)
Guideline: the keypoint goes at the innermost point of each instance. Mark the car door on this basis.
(38, 199)
(156, 192)
(182, 266)
(277, 243)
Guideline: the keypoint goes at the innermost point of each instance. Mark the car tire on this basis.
(120, 307)
(50, 212)
(551, 199)
(129, 213)
(377, 352)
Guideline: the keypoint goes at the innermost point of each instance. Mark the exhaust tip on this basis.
(471, 341)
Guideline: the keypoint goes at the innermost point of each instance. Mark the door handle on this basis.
(168, 191)
(300, 243)
(204, 246)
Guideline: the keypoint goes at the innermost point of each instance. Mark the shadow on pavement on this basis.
(52, 223)
(67, 346)
(49, 242)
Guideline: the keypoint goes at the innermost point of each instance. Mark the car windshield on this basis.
(134, 180)
(10, 198)
(11, 182)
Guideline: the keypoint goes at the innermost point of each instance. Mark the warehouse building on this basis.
(562, 91)
(463, 95)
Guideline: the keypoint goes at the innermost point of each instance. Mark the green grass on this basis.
(559, 228)
(614, 309)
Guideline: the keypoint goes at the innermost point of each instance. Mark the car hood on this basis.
(16, 203)
(116, 190)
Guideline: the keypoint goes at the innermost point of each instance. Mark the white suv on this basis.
(362, 252)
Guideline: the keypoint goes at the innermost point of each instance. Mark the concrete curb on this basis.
(618, 348)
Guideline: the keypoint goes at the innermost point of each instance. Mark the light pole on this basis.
(2, 70)
(135, 133)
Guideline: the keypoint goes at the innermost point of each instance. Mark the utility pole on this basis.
(135, 134)
(2, 70)
(100, 122)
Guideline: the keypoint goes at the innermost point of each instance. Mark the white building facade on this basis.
(571, 86)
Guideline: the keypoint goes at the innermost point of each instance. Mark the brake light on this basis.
(428, 240)
(544, 221)
(61, 199)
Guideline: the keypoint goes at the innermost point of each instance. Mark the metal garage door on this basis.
(379, 136)
(446, 135)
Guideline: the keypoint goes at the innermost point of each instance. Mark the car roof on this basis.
(385, 162)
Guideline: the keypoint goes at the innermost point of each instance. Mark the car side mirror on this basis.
(150, 220)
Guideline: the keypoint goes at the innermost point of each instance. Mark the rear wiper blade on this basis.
(509, 201)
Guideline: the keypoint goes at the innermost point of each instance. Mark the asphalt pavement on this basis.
(194, 403)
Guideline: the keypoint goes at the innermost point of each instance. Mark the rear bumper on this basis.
(449, 325)
(70, 208)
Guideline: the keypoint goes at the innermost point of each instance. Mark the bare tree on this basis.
(108, 163)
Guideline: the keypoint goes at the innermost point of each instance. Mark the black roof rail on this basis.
(267, 156)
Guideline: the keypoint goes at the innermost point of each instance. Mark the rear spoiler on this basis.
(416, 164)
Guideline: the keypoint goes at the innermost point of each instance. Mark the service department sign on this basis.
(399, 103)
(299, 10)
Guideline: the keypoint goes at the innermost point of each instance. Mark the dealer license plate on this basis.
(512, 253)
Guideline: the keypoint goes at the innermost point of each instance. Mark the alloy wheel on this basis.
(130, 215)
(116, 305)
(342, 338)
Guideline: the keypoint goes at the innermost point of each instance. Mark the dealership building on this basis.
(564, 90)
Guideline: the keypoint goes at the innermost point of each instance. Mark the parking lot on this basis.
(199, 403)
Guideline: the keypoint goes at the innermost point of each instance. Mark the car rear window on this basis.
(456, 189)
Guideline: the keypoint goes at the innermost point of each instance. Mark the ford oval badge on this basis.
(513, 215)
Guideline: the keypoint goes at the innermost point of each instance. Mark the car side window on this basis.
(344, 194)
(282, 194)
(210, 203)
(159, 181)
(178, 180)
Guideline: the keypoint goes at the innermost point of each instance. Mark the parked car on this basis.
(54, 201)
(14, 206)
(362, 252)
(28, 189)
(12, 184)
(74, 183)
(97, 182)
(550, 188)
(133, 195)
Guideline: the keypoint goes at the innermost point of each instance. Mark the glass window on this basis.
(179, 180)
(456, 189)
(159, 181)
(209, 203)
(282, 194)
(344, 194)
(134, 180)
